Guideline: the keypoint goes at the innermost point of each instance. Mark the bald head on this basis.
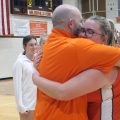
(63, 13)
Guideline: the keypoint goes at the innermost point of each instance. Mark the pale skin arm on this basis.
(85, 82)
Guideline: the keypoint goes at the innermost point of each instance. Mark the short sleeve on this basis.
(93, 55)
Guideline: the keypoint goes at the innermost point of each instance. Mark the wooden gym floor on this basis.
(8, 109)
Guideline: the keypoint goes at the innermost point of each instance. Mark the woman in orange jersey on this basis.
(102, 104)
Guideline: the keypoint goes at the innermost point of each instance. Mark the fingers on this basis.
(37, 58)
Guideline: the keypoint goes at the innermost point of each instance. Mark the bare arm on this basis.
(85, 82)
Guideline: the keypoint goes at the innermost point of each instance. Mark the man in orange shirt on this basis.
(103, 103)
(64, 56)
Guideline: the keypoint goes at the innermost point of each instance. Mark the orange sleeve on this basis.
(93, 55)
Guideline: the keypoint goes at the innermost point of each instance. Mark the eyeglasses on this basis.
(89, 32)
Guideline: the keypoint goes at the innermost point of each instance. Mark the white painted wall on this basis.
(111, 9)
(10, 48)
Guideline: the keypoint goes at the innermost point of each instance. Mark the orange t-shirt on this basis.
(64, 57)
(104, 104)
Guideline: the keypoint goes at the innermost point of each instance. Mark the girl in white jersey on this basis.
(25, 90)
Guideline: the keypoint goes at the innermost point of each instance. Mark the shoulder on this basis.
(19, 61)
(82, 42)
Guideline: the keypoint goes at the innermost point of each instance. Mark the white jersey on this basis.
(25, 90)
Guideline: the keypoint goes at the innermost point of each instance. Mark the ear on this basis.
(70, 24)
(105, 39)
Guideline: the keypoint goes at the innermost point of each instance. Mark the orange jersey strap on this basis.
(104, 103)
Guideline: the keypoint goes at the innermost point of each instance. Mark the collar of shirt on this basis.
(63, 33)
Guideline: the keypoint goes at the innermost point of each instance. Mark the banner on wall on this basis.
(20, 27)
(26, 27)
(38, 28)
